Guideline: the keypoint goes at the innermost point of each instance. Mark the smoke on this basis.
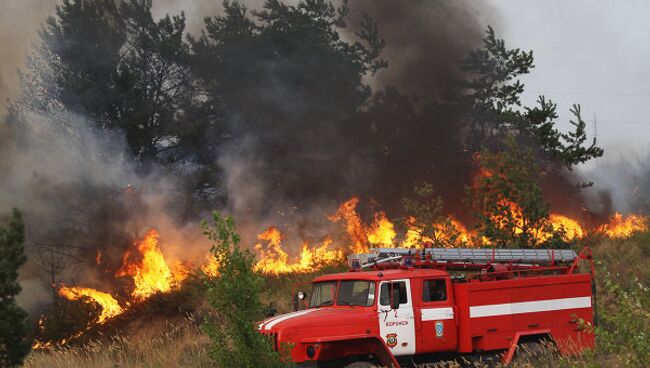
(622, 181)
(82, 196)
(19, 21)
(425, 40)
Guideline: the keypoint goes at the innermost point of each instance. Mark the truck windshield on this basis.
(322, 294)
(358, 293)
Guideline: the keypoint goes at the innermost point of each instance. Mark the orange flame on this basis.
(347, 212)
(147, 266)
(413, 236)
(621, 227)
(274, 260)
(382, 231)
(211, 266)
(108, 305)
(572, 229)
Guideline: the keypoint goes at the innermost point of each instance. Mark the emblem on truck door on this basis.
(440, 329)
(391, 340)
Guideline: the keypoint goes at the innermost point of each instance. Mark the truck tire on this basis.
(360, 365)
(534, 352)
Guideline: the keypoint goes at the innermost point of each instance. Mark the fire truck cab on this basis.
(395, 307)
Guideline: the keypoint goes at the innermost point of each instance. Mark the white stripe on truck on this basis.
(493, 310)
(437, 314)
(285, 317)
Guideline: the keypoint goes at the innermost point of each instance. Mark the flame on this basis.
(621, 227)
(108, 305)
(452, 233)
(382, 231)
(147, 266)
(211, 266)
(274, 260)
(347, 212)
(413, 236)
(572, 229)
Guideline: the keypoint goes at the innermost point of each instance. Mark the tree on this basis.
(153, 83)
(493, 99)
(14, 344)
(285, 88)
(83, 45)
(114, 64)
(506, 200)
(235, 296)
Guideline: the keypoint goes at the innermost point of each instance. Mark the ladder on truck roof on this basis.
(463, 257)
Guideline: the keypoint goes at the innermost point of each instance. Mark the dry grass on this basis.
(181, 345)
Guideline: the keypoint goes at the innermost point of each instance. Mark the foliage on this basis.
(506, 200)
(82, 45)
(14, 343)
(625, 329)
(424, 211)
(115, 64)
(494, 96)
(284, 77)
(235, 294)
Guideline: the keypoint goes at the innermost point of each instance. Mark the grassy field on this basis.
(623, 333)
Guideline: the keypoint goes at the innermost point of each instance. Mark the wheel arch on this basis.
(526, 336)
(353, 346)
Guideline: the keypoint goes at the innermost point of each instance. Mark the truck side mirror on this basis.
(299, 298)
(394, 300)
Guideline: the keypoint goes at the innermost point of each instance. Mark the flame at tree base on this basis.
(109, 306)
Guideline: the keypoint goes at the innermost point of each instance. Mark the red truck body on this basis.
(356, 316)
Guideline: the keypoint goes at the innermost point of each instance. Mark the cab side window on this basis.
(384, 299)
(434, 290)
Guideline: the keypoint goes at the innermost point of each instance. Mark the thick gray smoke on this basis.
(425, 40)
(82, 199)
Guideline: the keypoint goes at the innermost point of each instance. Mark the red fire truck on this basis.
(398, 305)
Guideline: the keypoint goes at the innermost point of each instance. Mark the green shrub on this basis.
(624, 326)
(235, 341)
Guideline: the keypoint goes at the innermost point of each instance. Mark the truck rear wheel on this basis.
(360, 365)
(535, 352)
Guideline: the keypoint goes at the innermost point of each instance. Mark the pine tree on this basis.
(506, 200)
(14, 344)
(496, 112)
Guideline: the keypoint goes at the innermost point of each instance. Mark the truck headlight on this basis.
(311, 351)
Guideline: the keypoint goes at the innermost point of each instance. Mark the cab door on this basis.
(397, 326)
(437, 315)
